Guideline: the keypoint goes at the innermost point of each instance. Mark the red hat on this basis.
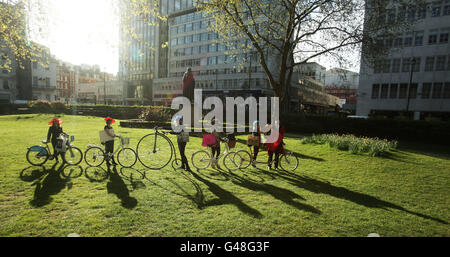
(55, 119)
(110, 119)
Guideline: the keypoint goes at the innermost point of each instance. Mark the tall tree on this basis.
(288, 33)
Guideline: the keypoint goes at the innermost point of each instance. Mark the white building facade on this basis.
(397, 85)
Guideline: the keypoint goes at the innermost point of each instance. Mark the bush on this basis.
(40, 106)
(157, 114)
(59, 107)
(356, 145)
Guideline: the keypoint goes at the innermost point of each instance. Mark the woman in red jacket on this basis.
(277, 147)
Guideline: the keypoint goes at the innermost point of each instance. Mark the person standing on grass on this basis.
(109, 144)
(256, 133)
(53, 134)
(215, 148)
(182, 139)
(277, 147)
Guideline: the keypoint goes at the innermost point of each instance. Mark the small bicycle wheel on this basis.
(176, 164)
(36, 158)
(243, 158)
(201, 160)
(154, 151)
(73, 156)
(230, 162)
(127, 157)
(94, 156)
(289, 162)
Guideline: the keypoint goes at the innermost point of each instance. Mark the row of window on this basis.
(188, 18)
(195, 26)
(223, 84)
(213, 60)
(193, 38)
(436, 90)
(221, 71)
(401, 13)
(432, 63)
(435, 36)
(210, 48)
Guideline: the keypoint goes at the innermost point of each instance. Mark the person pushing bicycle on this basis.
(109, 144)
(54, 131)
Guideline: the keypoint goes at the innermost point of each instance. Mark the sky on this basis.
(87, 32)
(82, 32)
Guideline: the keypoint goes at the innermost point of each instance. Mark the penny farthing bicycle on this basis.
(155, 151)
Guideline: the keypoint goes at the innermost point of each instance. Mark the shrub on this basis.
(59, 107)
(159, 114)
(40, 106)
(356, 145)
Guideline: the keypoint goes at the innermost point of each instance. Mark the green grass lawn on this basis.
(333, 193)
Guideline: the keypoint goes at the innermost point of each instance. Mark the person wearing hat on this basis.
(53, 133)
(109, 144)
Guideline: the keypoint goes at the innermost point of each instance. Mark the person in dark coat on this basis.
(53, 134)
(189, 85)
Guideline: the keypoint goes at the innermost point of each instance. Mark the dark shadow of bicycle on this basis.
(32, 173)
(96, 174)
(46, 186)
(134, 177)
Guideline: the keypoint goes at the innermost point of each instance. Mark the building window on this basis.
(406, 64)
(413, 91)
(418, 40)
(416, 64)
(384, 91)
(394, 91)
(436, 9)
(437, 90)
(396, 65)
(408, 40)
(443, 37)
(429, 63)
(389, 42)
(446, 8)
(432, 38)
(403, 91)
(386, 66)
(447, 90)
(411, 13)
(426, 90)
(375, 91)
(440, 63)
(422, 12)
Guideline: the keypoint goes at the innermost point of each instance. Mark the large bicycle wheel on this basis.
(201, 160)
(73, 156)
(127, 157)
(243, 158)
(289, 162)
(154, 151)
(37, 158)
(230, 162)
(94, 156)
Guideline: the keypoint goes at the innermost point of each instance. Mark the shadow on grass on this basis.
(432, 150)
(32, 173)
(197, 198)
(320, 187)
(51, 184)
(284, 195)
(225, 197)
(117, 186)
(96, 174)
(397, 156)
(298, 155)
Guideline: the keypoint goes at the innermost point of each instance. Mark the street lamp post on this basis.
(413, 64)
